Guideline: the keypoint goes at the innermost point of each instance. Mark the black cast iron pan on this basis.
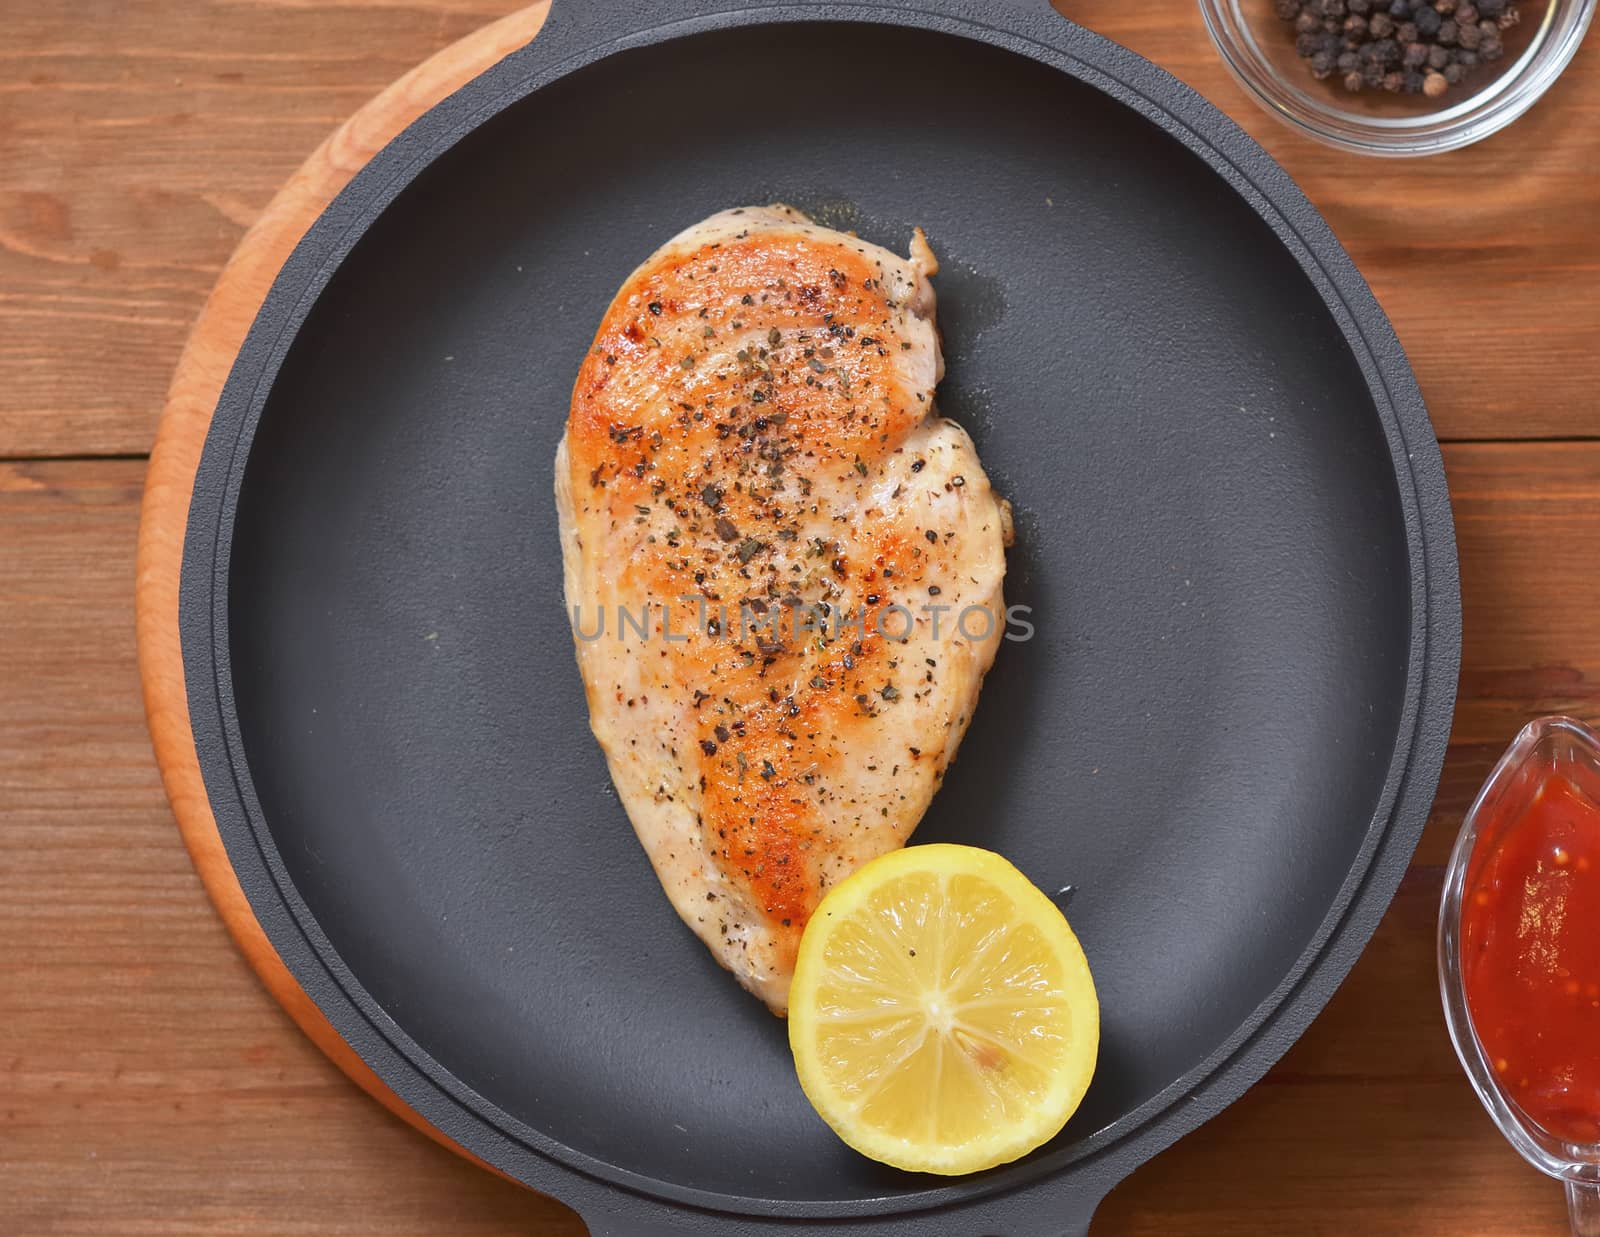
(1234, 536)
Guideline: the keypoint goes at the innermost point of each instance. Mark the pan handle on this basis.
(610, 1226)
(1040, 1212)
(577, 26)
(591, 27)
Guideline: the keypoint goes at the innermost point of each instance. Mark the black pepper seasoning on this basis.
(1419, 47)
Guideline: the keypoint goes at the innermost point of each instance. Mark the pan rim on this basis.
(1391, 834)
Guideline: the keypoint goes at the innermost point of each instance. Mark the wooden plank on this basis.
(1527, 527)
(1365, 1125)
(141, 138)
(1331, 1160)
(149, 1085)
(194, 389)
(1482, 257)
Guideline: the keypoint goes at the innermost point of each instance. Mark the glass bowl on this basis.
(1259, 47)
(1547, 749)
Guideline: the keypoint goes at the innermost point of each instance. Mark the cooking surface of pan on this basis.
(1232, 539)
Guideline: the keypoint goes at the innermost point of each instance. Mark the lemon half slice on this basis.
(942, 1015)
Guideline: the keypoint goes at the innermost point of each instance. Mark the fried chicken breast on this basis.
(783, 568)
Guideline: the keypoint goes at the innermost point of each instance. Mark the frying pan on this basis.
(1233, 536)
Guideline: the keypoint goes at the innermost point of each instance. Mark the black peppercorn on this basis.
(1402, 46)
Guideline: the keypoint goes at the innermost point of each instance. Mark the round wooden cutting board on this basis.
(202, 370)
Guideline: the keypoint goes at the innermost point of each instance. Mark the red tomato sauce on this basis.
(1530, 957)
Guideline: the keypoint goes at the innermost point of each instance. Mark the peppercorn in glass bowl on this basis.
(1397, 77)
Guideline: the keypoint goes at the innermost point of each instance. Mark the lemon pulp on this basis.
(942, 1016)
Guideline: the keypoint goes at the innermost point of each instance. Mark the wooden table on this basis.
(148, 1084)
